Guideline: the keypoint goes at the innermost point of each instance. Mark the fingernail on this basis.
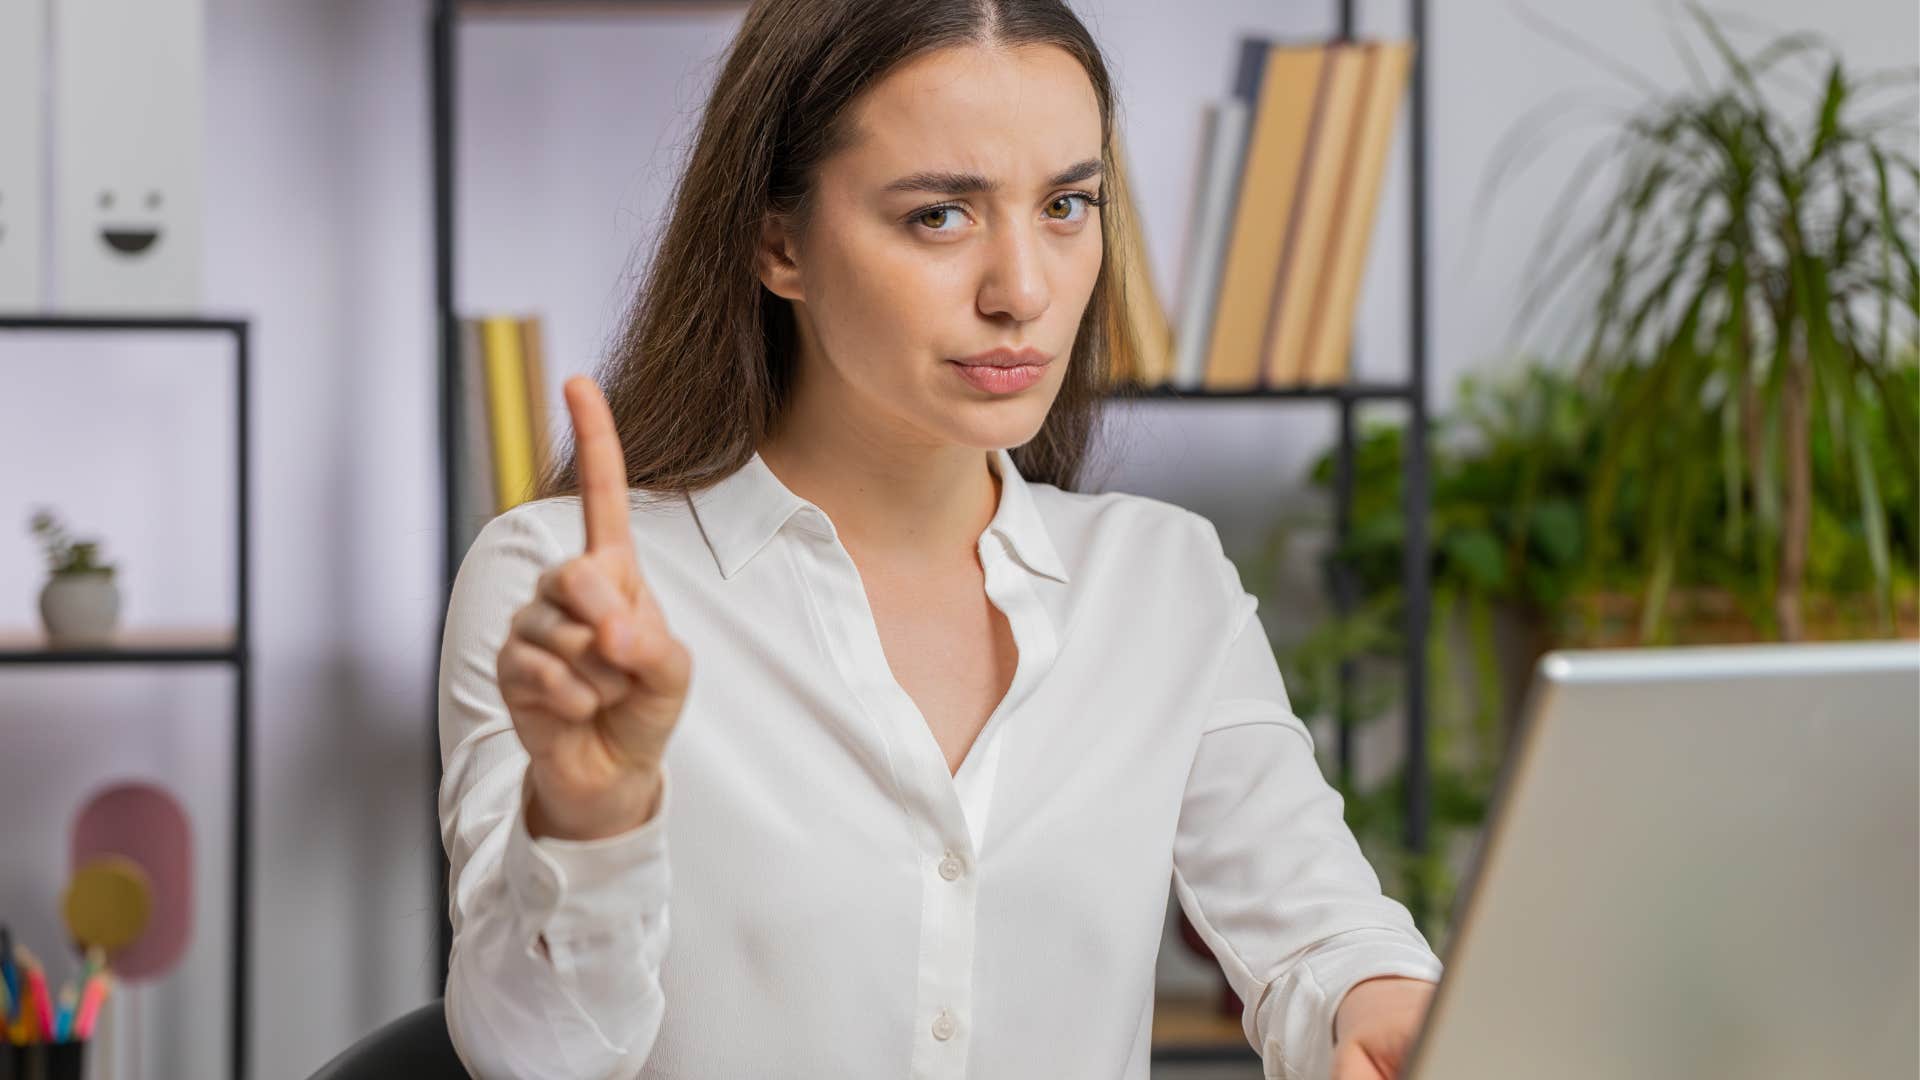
(621, 639)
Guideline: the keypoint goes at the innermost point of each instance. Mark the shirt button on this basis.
(943, 1026)
(950, 867)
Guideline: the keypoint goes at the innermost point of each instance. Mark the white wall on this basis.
(319, 230)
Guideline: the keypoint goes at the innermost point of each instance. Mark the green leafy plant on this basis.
(1507, 469)
(66, 555)
(1512, 471)
(1737, 417)
(1757, 281)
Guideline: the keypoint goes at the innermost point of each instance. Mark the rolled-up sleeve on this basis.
(1267, 870)
(557, 945)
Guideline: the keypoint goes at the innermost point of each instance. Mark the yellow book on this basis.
(1282, 120)
(507, 405)
(1152, 334)
(1330, 337)
(1299, 289)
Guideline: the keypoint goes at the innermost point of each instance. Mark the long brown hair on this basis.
(705, 358)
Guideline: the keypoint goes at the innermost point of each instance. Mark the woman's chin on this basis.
(994, 425)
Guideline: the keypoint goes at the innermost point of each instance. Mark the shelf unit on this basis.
(232, 648)
(1194, 1036)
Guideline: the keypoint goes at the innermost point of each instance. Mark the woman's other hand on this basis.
(1374, 1028)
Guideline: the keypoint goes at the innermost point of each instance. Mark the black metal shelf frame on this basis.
(444, 68)
(236, 652)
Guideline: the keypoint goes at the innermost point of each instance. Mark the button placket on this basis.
(948, 909)
(928, 795)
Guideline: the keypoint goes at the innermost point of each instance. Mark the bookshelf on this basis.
(228, 646)
(1188, 1030)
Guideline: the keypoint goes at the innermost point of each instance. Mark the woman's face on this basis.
(956, 223)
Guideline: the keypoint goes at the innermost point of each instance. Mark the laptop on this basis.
(1702, 861)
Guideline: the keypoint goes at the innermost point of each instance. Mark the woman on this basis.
(810, 723)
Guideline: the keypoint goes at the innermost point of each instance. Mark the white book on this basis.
(128, 106)
(23, 41)
(1225, 145)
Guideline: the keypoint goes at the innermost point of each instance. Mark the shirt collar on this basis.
(742, 511)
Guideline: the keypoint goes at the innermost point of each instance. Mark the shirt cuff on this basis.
(587, 894)
(1300, 1032)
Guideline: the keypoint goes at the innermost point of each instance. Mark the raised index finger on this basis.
(603, 468)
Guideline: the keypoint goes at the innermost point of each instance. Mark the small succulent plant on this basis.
(66, 555)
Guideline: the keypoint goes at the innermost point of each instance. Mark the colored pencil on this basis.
(42, 1002)
(63, 1020)
(90, 999)
(7, 972)
(23, 1028)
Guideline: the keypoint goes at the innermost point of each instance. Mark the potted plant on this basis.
(1512, 468)
(1731, 455)
(80, 603)
(1757, 289)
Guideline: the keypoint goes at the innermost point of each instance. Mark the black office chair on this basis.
(415, 1046)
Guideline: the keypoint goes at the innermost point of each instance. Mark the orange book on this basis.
(1277, 144)
(1330, 337)
(1298, 290)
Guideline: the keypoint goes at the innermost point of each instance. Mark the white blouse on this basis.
(818, 896)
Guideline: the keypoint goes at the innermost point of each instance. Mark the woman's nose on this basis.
(1015, 283)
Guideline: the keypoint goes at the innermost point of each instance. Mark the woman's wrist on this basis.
(1393, 993)
(620, 809)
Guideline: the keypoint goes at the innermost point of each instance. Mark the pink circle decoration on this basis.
(145, 823)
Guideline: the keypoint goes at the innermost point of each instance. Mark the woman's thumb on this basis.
(641, 646)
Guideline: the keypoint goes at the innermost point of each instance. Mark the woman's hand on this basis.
(591, 676)
(1374, 1028)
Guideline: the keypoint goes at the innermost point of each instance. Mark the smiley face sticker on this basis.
(130, 234)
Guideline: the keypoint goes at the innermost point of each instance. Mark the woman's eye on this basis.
(1068, 199)
(941, 214)
(933, 218)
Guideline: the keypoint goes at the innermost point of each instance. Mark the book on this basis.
(1286, 77)
(507, 410)
(1327, 352)
(1152, 335)
(1296, 280)
(474, 500)
(538, 407)
(1223, 143)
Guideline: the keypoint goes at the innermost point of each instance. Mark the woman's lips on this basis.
(1000, 380)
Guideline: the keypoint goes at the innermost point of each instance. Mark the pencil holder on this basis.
(43, 1061)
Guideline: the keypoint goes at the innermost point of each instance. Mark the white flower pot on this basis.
(80, 609)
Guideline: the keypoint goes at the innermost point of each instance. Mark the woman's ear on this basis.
(774, 259)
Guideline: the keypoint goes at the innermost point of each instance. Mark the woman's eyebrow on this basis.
(959, 183)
